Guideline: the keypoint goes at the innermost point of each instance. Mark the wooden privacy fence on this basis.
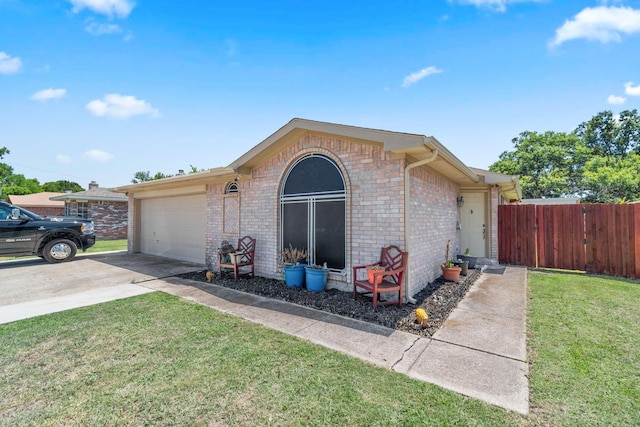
(596, 238)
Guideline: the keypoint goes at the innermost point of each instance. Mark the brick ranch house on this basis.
(108, 210)
(341, 191)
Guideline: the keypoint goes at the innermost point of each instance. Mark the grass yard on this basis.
(584, 341)
(108, 246)
(158, 360)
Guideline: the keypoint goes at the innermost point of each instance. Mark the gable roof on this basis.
(40, 200)
(93, 194)
(417, 147)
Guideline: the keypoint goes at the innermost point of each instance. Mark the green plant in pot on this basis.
(225, 249)
(467, 257)
(450, 271)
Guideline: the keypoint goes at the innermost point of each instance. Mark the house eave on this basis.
(198, 178)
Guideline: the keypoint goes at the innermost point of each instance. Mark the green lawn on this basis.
(158, 360)
(584, 340)
(108, 245)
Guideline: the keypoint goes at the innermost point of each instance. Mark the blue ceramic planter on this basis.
(294, 275)
(316, 279)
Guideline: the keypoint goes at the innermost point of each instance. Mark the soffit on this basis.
(211, 176)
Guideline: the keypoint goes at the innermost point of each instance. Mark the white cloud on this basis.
(98, 29)
(419, 75)
(9, 64)
(602, 23)
(97, 156)
(63, 159)
(495, 5)
(616, 100)
(110, 8)
(118, 106)
(631, 90)
(47, 94)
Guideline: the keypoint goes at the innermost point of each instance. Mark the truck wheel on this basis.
(59, 250)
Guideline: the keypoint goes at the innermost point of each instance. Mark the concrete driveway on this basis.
(32, 286)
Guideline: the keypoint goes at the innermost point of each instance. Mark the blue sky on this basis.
(101, 89)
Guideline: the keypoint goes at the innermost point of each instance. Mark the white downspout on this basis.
(407, 204)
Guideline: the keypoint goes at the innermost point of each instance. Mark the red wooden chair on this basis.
(242, 257)
(391, 279)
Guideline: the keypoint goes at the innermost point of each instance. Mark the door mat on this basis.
(495, 270)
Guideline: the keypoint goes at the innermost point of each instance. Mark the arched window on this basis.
(313, 210)
(232, 187)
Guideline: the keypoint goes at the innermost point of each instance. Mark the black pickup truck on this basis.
(55, 239)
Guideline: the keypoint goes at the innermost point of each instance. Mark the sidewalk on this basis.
(479, 352)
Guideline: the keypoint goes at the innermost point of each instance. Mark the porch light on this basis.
(460, 201)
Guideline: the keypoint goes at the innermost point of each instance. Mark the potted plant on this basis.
(225, 250)
(293, 261)
(464, 265)
(316, 277)
(450, 271)
(371, 270)
(467, 257)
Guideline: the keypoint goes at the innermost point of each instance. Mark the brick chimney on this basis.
(93, 185)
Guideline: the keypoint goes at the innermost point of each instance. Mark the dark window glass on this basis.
(310, 219)
(314, 174)
(329, 234)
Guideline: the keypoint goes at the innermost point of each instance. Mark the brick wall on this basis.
(110, 219)
(46, 211)
(432, 222)
(375, 209)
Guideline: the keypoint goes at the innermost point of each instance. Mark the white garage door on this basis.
(174, 227)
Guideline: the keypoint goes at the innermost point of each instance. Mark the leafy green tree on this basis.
(143, 176)
(548, 164)
(609, 180)
(62, 186)
(611, 136)
(598, 161)
(17, 184)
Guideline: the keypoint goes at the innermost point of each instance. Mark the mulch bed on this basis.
(438, 299)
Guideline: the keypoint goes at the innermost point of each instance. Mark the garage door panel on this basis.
(174, 227)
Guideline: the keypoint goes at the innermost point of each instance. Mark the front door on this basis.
(474, 224)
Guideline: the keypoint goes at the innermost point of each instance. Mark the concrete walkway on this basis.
(479, 352)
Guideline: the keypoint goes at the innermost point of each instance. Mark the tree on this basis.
(598, 161)
(19, 185)
(607, 179)
(143, 176)
(611, 136)
(62, 186)
(548, 164)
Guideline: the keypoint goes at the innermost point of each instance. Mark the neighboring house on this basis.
(39, 203)
(341, 191)
(107, 209)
